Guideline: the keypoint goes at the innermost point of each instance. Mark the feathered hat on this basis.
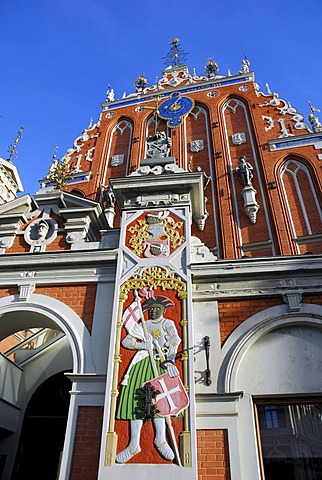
(159, 300)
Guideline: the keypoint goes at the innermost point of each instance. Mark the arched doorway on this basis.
(43, 431)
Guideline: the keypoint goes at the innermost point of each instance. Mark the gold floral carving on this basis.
(172, 230)
(139, 233)
(155, 277)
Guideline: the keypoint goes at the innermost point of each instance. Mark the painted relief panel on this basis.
(151, 402)
(150, 412)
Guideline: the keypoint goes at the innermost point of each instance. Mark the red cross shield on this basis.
(172, 398)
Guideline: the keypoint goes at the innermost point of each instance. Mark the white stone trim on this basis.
(66, 319)
(255, 327)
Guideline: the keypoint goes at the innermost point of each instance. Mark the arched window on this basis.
(302, 203)
(198, 155)
(254, 238)
(119, 150)
(154, 125)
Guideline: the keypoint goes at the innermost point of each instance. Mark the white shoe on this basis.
(126, 455)
(165, 450)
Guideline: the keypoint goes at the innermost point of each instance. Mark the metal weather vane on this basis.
(176, 56)
(12, 149)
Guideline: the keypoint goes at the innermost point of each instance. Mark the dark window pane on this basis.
(291, 440)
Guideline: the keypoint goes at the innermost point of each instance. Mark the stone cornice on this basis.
(57, 268)
(150, 190)
(257, 277)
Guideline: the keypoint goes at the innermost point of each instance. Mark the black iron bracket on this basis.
(208, 372)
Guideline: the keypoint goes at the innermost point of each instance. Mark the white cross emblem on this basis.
(167, 394)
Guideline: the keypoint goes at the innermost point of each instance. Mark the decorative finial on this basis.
(176, 56)
(245, 65)
(55, 153)
(110, 94)
(211, 68)
(59, 172)
(12, 148)
(313, 109)
(140, 83)
(313, 119)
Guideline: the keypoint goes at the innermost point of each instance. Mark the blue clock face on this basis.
(175, 108)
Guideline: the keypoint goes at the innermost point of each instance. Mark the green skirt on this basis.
(129, 399)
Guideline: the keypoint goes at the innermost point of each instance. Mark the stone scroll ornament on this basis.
(151, 379)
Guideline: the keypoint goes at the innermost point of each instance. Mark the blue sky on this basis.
(57, 58)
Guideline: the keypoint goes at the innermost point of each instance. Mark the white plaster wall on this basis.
(286, 360)
(206, 323)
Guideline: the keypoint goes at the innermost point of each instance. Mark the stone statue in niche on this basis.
(245, 172)
(159, 145)
(40, 233)
(156, 341)
(109, 202)
(109, 198)
(42, 230)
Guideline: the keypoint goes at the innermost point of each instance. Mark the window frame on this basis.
(270, 400)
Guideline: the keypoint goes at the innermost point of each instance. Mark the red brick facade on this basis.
(213, 455)
(87, 444)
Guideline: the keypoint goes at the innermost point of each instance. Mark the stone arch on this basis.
(301, 201)
(255, 329)
(40, 310)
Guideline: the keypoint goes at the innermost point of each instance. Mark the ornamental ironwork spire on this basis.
(176, 56)
(12, 149)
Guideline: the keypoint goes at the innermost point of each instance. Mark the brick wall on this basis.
(87, 444)
(81, 298)
(233, 312)
(213, 455)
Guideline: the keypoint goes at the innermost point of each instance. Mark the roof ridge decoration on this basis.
(285, 111)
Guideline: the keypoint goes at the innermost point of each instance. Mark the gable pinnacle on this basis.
(176, 56)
